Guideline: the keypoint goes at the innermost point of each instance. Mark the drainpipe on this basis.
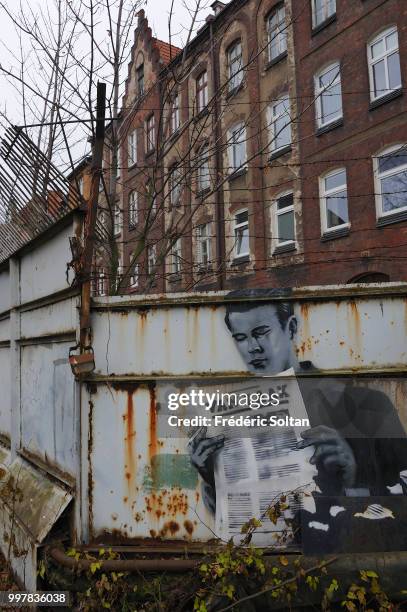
(219, 204)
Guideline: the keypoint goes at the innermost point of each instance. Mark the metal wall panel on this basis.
(43, 270)
(5, 402)
(48, 418)
(4, 290)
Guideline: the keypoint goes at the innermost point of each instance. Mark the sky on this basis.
(157, 12)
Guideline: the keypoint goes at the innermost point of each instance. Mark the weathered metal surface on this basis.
(43, 271)
(5, 402)
(30, 505)
(48, 411)
(170, 340)
(52, 319)
(4, 329)
(4, 291)
(140, 485)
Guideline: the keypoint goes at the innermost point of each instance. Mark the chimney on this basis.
(217, 7)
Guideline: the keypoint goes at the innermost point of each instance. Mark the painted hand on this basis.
(202, 452)
(333, 458)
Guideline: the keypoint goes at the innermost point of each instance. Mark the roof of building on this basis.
(167, 52)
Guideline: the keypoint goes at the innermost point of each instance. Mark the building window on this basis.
(391, 181)
(384, 64)
(322, 10)
(203, 244)
(202, 91)
(203, 175)
(237, 147)
(328, 94)
(276, 33)
(176, 257)
(132, 148)
(134, 276)
(241, 234)
(117, 220)
(151, 196)
(119, 161)
(235, 66)
(150, 132)
(133, 209)
(102, 176)
(280, 124)
(334, 200)
(175, 114)
(140, 80)
(175, 186)
(284, 220)
(101, 284)
(151, 258)
(80, 185)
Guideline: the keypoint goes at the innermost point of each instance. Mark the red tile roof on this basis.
(167, 51)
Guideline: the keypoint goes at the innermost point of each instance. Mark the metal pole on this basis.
(91, 217)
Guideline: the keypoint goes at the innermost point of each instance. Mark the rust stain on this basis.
(152, 447)
(188, 526)
(306, 344)
(354, 327)
(171, 526)
(130, 461)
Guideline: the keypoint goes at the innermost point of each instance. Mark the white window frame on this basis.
(150, 133)
(233, 143)
(117, 220)
(133, 208)
(203, 244)
(378, 185)
(119, 162)
(203, 174)
(202, 91)
(134, 276)
(175, 114)
(151, 193)
(175, 186)
(384, 56)
(132, 148)
(320, 90)
(326, 14)
(239, 226)
(276, 35)
(140, 70)
(276, 214)
(100, 284)
(235, 60)
(176, 257)
(326, 193)
(274, 117)
(151, 258)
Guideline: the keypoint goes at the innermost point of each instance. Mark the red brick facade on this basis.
(282, 176)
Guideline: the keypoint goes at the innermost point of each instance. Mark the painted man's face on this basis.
(264, 345)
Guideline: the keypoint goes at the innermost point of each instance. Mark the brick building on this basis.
(266, 153)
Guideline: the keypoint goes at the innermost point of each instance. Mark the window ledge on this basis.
(150, 152)
(393, 218)
(285, 248)
(242, 259)
(202, 193)
(329, 126)
(383, 99)
(174, 278)
(275, 60)
(204, 269)
(335, 233)
(131, 167)
(237, 173)
(201, 114)
(234, 91)
(280, 152)
(323, 24)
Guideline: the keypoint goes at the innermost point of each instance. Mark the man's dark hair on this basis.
(284, 310)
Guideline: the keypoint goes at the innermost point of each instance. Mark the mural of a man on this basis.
(360, 447)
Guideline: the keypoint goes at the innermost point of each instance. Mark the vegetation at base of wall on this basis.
(238, 577)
